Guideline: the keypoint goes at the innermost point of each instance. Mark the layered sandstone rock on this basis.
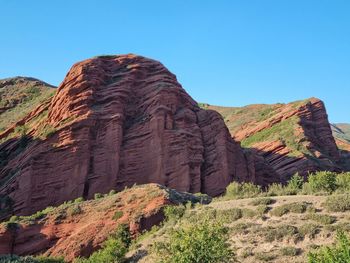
(290, 138)
(79, 228)
(116, 121)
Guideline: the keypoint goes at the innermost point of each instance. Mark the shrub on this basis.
(275, 190)
(74, 210)
(112, 192)
(343, 182)
(173, 212)
(322, 218)
(206, 242)
(338, 253)
(262, 209)
(114, 249)
(237, 190)
(117, 215)
(98, 196)
(323, 182)
(337, 203)
(203, 199)
(287, 208)
(295, 184)
(229, 215)
(290, 251)
(309, 229)
(271, 234)
(265, 256)
(262, 201)
(79, 200)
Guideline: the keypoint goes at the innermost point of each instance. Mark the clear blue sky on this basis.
(233, 52)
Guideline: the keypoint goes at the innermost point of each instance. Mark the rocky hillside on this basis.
(341, 133)
(78, 228)
(290, 138)
(113, 122)
(277, 229)
(19, 96)
(119, 120)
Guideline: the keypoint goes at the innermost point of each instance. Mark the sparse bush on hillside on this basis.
(98, 196)
(338, 253)
(275, 190)
(290, 251)
(343, 183)
(323, 182)
(289, 208)
(114, 249)
(173, 212)
(309, 229)
(278, 233)
(295, 184)
(237, 190)
(117, 215)
(79, 200)
(322, 218)
(262, 201)
(206, 242)
(337, 203)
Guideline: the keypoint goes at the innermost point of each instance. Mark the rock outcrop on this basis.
(290, 138)
(19, 96)
(78, 228)
(117, 121)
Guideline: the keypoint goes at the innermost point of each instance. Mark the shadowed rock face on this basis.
(116, 121)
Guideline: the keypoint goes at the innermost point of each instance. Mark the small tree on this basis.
(295, 184)
(204, 242)
(339, 253)
(323, 182)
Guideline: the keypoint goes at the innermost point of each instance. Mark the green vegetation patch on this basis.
(296, 207)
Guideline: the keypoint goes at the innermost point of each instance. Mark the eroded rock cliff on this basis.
(116, 121)
(289, 138)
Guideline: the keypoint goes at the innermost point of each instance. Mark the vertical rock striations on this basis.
(116, 121)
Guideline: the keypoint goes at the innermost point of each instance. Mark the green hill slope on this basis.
(19, 96)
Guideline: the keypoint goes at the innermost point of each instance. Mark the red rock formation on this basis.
(121, 120)
(309, 145)
(78, 229)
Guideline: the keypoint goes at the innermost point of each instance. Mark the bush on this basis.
(117, 215)
(114, 249)
(295, 184)
(338, 253)
(271, 234)
(287, 208)
(343, 182)
(206, 242)
(323, 182)
(173, 212)
(237, 190)
(338, 203)
(98, 196)
(309, 229)
(229, 215)
(262, 201)
(112, 192)
(79, 200)
(265, 256)
(290, 251)
(322, 218)
(275, 190)
(74, 210)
